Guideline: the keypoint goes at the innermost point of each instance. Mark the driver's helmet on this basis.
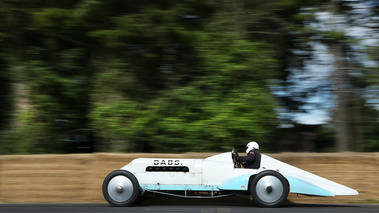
(251, 145)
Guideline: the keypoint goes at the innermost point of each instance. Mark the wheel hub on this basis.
(269, 189)
(120, 188)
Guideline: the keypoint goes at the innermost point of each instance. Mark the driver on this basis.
(253, 158)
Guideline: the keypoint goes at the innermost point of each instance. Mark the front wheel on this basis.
(120, 188)
(269, 189)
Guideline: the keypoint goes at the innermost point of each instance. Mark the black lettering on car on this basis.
(167, 162)
(177, 162)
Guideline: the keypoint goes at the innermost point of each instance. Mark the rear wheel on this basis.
(269, 189)
(120, 188)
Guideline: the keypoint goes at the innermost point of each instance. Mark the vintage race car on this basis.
(213, 177)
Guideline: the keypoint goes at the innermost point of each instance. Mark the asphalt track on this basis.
(185, 205)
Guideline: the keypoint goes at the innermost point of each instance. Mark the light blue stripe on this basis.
(180, 187)
(237, 183)
(300, 186)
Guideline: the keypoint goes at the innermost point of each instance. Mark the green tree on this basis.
(161, 76)
(220, 100)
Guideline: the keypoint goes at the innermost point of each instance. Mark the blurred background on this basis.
(80, 76)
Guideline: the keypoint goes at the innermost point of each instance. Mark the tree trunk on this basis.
(342, 121)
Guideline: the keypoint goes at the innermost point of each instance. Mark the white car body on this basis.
(217, 174)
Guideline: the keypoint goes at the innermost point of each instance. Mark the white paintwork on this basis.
(216, 169)
(138, 166)
(219, 168)
(286, 169)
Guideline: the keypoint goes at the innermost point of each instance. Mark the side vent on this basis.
(167, 169)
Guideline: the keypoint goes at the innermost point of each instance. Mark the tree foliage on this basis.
(151, 76)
